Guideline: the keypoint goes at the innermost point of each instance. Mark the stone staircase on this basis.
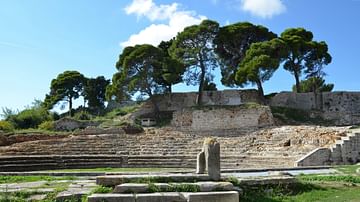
(166, 147)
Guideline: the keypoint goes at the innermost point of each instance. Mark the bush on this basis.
(83, 115)
(29, 118)
(46, 125)
(6, 126)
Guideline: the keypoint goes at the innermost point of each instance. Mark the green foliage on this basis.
(296, 116)
(30, 118)
(334, 178)
(194, 47)
(209, 86)
(172, 69)
(46, 125)
(304, 54)
(314, 84)
(232, 42)
(7, 112)
(94, 92)
(83, 116)
(102, 190)
(122, 111)
(66, 87)
(6, 126)
(140, 70)
(262, 59)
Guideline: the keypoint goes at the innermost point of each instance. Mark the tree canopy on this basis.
(66, 87)
(195, 49)
(314, 84)
(262, 59)
(94, 92)
(232, 42)
(304, 54)
(140, 70)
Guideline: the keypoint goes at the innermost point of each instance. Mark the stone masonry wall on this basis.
(341, 107)
(344, 151)
(179, 101)
(215, 118)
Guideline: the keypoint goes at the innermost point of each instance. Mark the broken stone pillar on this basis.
(212, 158)
(200, 163)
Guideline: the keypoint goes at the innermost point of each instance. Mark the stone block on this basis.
(161, 197)
(200, 163)
(131, 188)
(229, 196)
(212, 159)
(215, 186)
(112, 198)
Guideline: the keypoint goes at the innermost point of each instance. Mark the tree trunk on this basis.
(70, 107)
(156, 107)
(201, 85)
(260, 91)
(297, 81)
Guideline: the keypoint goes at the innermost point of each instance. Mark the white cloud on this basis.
(263, 8)
(176, 21)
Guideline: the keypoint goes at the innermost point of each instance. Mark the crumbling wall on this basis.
(179, 101)
(343, 108)
(215, 118)
(344, 151)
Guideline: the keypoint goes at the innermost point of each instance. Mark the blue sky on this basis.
(41, 38)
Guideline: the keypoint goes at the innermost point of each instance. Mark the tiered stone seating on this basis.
(166, 148)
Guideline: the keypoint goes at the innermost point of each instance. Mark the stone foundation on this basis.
(222, 118)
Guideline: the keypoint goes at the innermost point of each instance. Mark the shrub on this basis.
(46, 125)
(29, 118)
(6, 126)
(83, 115)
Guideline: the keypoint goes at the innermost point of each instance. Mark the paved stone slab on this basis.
(144, 188)
(213, 186)
(76, 190)
(37, 197)
(113, 180)
(229, 196)
(161, 197)
(111, 198)
(131, 188)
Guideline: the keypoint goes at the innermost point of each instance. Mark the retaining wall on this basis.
(344, 151)
(343, 108)
(215, 118)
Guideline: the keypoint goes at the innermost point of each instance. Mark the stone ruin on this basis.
(209, 159)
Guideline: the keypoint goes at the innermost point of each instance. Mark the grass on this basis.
(291, 116)
(331, 178)
(18, 179)
(349, 169)
(125, 170)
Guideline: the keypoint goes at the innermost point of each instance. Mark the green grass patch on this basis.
(349, 169)
(293, 116)
(330, 178)
(102, 190)
(18, 179)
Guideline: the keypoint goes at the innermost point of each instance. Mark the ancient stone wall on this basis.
(344, 151)
(341, 107)
(179, 101)
(215, 118)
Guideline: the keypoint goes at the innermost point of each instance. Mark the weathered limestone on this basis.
(344, 151)
(200, 163)
(206, 186)
(212, 158)
(224, 196)
(222, 118)
(229, 196)
(112, 198)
